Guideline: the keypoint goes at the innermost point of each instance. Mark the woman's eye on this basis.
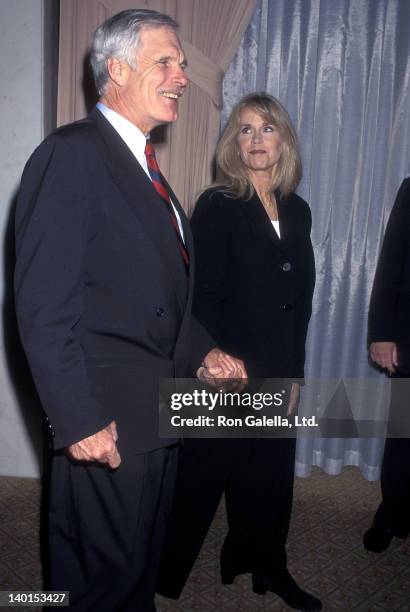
(269, 129)
(246, 130)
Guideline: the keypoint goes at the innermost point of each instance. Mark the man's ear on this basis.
(118, 71)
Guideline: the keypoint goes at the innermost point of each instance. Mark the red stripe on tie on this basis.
(161, 189)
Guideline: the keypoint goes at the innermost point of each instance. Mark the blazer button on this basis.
(286, 307)
(160, 312)
(286, 266)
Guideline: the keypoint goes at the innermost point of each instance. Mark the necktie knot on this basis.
(149, 150)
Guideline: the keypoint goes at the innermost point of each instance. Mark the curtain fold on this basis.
(215, 28)
(342, 69)
(210, 33)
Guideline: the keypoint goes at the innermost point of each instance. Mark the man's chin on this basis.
(170, 109)
(164, 118)
(170, 118)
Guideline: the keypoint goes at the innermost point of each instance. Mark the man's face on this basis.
(150, 94)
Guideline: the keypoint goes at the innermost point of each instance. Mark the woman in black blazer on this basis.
(254, 285)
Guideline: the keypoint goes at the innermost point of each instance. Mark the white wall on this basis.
(21, 121)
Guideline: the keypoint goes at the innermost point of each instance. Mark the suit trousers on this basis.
(394, 510)
(257, 477)
(106, 529)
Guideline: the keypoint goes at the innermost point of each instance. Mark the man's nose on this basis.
(181, 77)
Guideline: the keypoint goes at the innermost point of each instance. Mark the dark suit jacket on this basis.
(389, 314)
(103, 300)
(253, 290)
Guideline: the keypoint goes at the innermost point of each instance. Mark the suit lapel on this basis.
(189, 245)
(144, 201)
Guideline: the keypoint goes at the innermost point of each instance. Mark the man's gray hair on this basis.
(119, 37)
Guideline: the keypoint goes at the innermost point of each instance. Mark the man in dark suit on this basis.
(389, 336)
(104, 281)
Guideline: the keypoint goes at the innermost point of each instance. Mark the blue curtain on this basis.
(342, 70)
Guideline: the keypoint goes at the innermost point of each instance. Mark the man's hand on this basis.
(218, 364)
(294, 398)
(385, 355)
(100, 447)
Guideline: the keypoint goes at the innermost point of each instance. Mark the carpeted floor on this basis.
(325, 551)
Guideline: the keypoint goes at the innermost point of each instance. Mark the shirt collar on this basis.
(131, 135)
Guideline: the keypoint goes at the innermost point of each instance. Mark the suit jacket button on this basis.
(160, 312)
(286, 266)
(286, 307)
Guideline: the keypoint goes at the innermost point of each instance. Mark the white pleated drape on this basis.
(342, 69)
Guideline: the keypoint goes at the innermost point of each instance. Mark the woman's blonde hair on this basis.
(231, 172)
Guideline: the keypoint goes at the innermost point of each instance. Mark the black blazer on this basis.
(253, 290)
(389, 313)
(102, 297)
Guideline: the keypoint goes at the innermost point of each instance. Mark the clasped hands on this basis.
(223, 371)
(101, 447)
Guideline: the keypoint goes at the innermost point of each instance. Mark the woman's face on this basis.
(259, 142)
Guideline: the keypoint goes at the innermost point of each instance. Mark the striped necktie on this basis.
(159, 185)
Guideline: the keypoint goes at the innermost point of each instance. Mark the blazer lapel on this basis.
(285, 224)
(262, 225)
(144, 201)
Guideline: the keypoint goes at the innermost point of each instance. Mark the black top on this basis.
(389, 314)
(253, 290)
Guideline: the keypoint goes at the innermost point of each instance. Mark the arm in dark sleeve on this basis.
(51, 240)
(389, 270)
(304, 303)
(211, 237)
(201, 343)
